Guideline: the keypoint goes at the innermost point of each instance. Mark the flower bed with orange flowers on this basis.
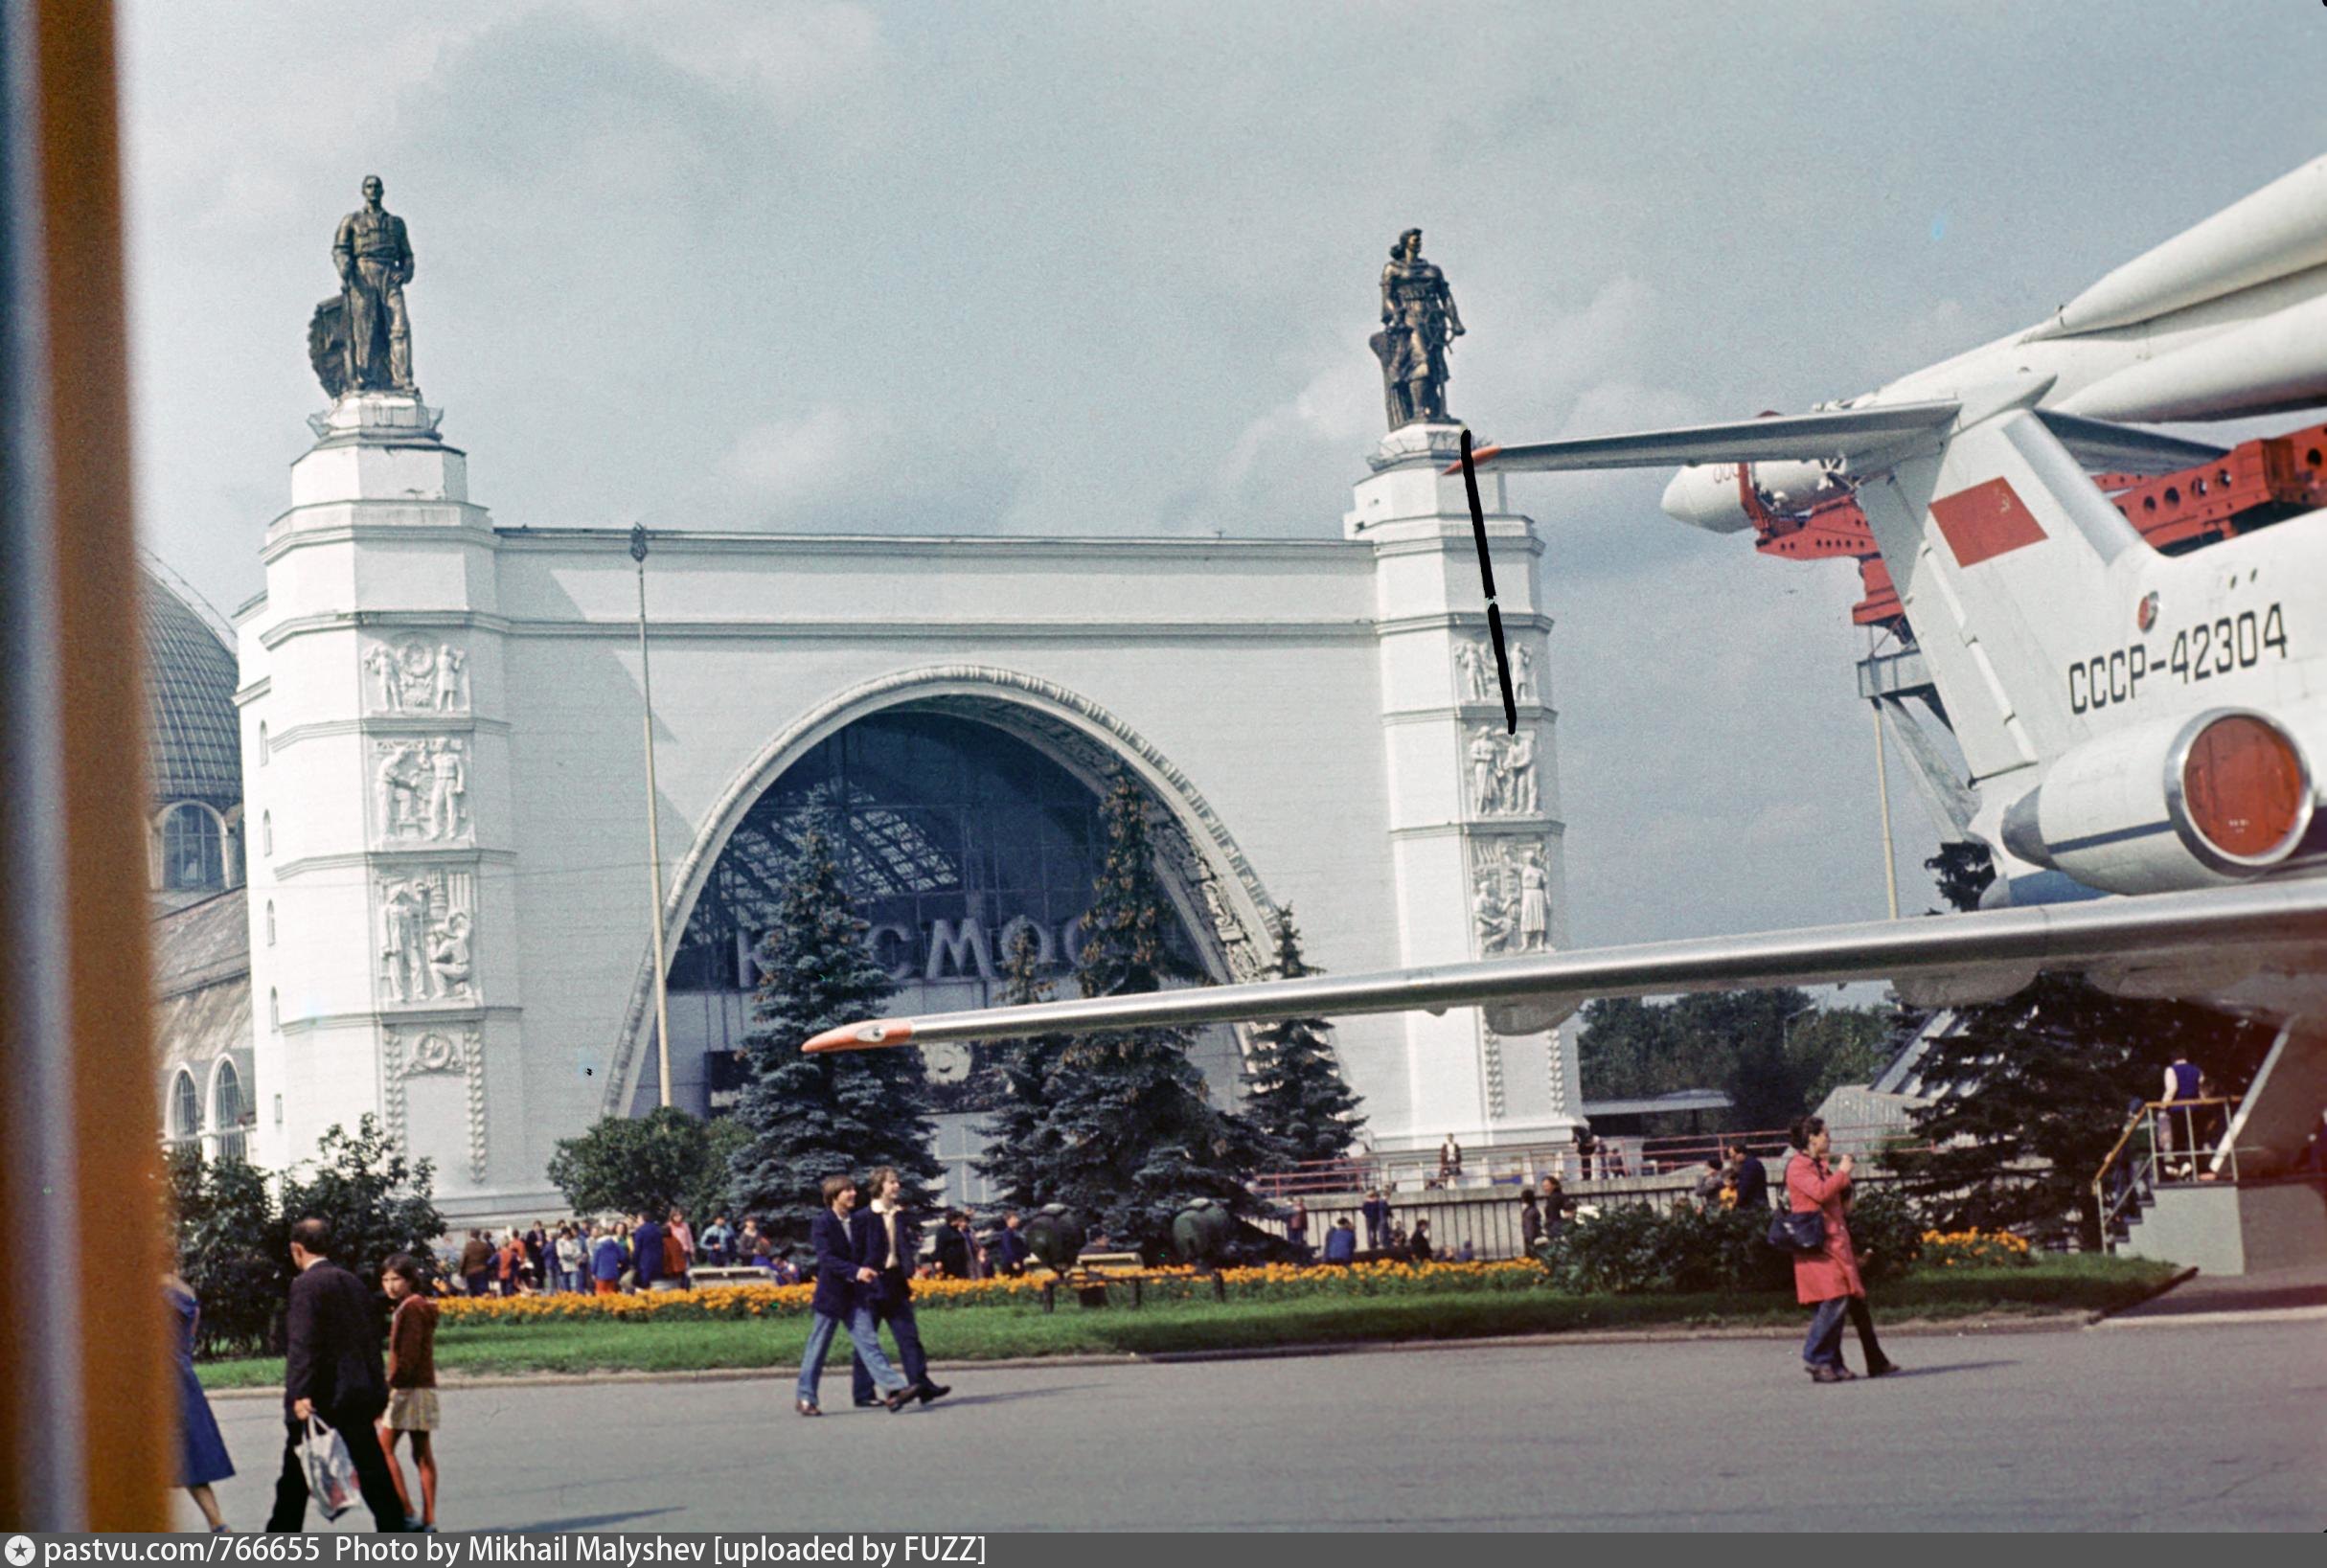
(1274, 1282)
(1974, 1249)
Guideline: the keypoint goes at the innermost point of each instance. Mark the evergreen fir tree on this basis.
(1294, 1094)
(2034, 1090)
(1022, 1145)
(1137, 1137)
(1963, 869)
(812, 1116)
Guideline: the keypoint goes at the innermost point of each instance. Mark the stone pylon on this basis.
(383, 952)
(1475, 834)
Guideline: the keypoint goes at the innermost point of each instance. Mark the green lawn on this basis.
(2076, 1283)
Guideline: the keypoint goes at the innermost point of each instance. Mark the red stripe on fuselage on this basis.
(1985, 521)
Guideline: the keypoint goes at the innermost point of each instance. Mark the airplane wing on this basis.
(1840, 433)
(1801, 438)
(2104, 448)
(1953, 958)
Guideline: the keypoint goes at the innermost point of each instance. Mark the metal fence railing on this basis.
(2165, 1143)
(1514, 1166)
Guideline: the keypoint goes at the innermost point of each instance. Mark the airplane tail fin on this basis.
(2013, 568)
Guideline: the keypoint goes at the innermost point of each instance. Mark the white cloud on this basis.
(787, 465)
(790, 54)
(1339, 406)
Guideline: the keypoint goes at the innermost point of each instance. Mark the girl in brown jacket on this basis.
(411, 1385)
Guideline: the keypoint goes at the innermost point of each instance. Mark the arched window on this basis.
(193, 848)
(185, 1109)
(226, 1111)
(266, 832)
(265, 755)
(274, 1010)
(270, 922)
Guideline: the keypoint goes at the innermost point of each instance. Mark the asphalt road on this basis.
(2181, 1426)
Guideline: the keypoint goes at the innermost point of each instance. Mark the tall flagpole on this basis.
(654, 849)
(1883, 788)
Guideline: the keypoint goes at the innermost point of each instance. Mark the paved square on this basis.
(2166, 1427)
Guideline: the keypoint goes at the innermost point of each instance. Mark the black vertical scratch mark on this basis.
(1485, 578)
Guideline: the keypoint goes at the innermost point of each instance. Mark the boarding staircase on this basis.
(2213, 1183)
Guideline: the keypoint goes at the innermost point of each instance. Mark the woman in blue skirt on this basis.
(201, 1451)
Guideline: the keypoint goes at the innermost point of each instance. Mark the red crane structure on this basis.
(2255, 484)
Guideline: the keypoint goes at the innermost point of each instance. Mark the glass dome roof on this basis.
(193, 737)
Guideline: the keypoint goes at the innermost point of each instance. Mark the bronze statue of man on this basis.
(374, 257)
(1418, 321)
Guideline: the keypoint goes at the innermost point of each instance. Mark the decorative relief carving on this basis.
(1491, 1065)
(1473, 670)
(1560, 1064)
(1474, 676)
(407, 1055)
(436, 1054)
(1509, 896)
(1502, 773)
(420, 790)
(428, 924)
(415, 676)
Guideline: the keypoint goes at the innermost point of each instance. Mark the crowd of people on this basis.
(644, 1252)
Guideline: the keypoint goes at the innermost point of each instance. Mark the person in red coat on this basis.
(1827, 1278)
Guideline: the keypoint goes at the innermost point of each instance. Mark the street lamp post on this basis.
(654, 851)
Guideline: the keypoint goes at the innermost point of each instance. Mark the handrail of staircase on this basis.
(2147, 1114)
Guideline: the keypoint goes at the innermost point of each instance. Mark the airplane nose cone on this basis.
(1706, 496)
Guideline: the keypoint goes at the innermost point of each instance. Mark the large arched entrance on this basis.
(967, 821)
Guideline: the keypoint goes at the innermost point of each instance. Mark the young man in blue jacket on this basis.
(839, 1302)
(888, 1242)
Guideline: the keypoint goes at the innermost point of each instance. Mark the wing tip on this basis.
(862, 1036)
(1480, 457)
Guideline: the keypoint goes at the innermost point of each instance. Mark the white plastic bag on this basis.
(331, 1470)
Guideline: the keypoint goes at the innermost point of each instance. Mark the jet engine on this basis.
(2178, 803)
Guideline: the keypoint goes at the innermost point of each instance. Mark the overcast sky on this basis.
(1087, 268)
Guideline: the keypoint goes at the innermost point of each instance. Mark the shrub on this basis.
(1885, 1232)
(1632, 1249)
(224, 1221)
(376, 1202)
(233, 1236)
(637, 1165)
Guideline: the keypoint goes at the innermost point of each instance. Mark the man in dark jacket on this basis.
(1010, 1246)
(477, 1264)
(839, 1302)
(333, 1370)
(955, 1247)
(1377, 1211)
(887, 1242)
(647, 1252)
(1752, 1179)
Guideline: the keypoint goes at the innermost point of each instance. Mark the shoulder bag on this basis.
(1796, 1233)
